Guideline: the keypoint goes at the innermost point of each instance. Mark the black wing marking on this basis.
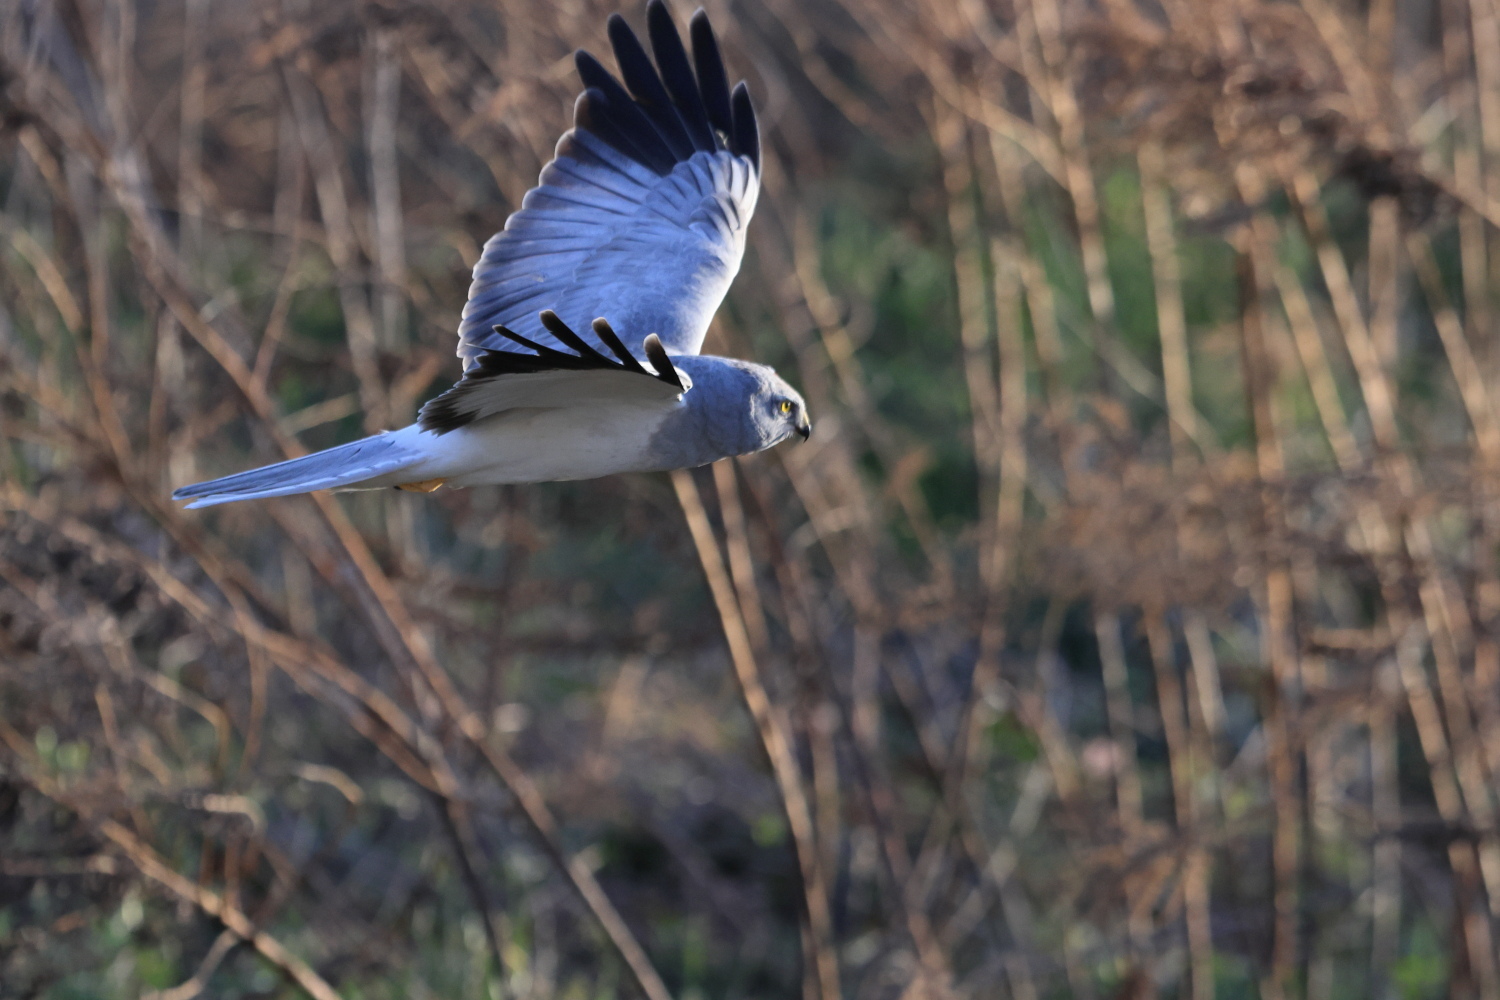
(615, 116)
(677, 75)
(657, 355)
(713, 80)
(646, 87)
(746, 135)
(664, 113)
(448, 413)
(611, 340)
(565, 335)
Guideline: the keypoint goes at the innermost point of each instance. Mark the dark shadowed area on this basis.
(1129, 627)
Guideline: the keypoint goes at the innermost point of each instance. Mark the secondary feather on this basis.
(551, 378)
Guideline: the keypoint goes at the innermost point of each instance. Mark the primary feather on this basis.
(641, 215)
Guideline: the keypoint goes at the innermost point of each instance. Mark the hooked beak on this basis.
(804, 428)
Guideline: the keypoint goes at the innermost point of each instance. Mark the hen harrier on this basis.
(581, 334)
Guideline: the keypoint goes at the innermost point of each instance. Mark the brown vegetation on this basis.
(1130, 627)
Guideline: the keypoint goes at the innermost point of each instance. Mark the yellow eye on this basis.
(786, 406)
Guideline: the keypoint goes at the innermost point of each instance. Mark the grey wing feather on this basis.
(641, 215)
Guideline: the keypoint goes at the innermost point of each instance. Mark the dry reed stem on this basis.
(851, 563)
(195, 984)
(1374, 386)
(1379, 400)
(1384, 277)
(190, 180)
(895, 28)
(838, 346)
(1042, 21)
(389, 242)
(343, 244)
(952, 132)
(1385, 806)
(1277, 627)
(1171, 323)
(774, 733)
(1485, 41)
(994, 424)
(1183, 765)
(1184, 428)
(1121, 711)
(1461, 360)
(741, 561)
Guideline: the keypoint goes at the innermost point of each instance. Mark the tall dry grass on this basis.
(1128, 629)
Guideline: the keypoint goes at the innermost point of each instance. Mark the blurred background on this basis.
(1130, 627)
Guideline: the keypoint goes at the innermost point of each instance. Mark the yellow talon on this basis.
(425, 486)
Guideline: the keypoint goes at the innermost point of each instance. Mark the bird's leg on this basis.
(425, 486)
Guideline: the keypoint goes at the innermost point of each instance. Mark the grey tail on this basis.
(343, 467)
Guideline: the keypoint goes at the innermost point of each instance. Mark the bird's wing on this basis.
(548, 378)
(641, 215)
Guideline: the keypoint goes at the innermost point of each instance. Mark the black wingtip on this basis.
(590, 70)
(514, 338)
(609, 112)
(746, 129)
(662, 114)
(591, 113)
(661, 361)
(610, 339)
(677, 74)
(713, 80)
(645, 85)
(621, 36)
(565, 335)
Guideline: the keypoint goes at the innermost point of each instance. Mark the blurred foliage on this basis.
(1131, 625)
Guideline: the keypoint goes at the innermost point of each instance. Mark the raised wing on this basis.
(641, 215)
(548, 378)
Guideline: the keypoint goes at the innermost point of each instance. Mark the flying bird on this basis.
(586, 314)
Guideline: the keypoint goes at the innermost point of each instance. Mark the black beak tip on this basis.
(805, 430)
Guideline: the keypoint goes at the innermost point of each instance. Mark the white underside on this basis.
(533, 446)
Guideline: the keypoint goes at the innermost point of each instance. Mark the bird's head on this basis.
(782, 409)
(744, 407)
